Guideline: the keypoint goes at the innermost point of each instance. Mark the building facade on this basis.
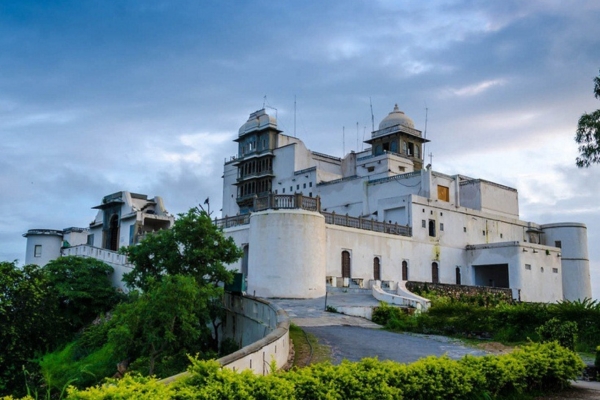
(305, 219)
(123, 219)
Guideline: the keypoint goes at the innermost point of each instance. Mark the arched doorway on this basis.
(376, 269)
(113, 233)
(435, 273)
(458, 277)
(404, 270)
(245, 261)
(345, 264)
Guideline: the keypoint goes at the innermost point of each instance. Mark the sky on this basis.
(146, 96)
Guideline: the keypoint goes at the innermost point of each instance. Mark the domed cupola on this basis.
(396, 117)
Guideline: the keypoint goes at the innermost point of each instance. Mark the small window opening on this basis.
(431, 228)
(37, 251)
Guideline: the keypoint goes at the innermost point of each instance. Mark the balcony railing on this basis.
(298, 201)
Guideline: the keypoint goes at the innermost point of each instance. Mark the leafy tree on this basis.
(194, 246)
(30, 323)
(163, 324)
(588, 134)
(83, 288)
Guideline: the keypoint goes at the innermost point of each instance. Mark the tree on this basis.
(588, 134)
(194, 246)
(163, 324)
(30, 323)
(83, 288)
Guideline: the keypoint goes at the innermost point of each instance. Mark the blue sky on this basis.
(146, 96)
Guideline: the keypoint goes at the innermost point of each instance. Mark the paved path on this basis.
(354, 338)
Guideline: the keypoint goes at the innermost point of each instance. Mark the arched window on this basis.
(245, 260)
(435, 273)
(376, 269)
(458, 277)
(113, 233)
(345, 264)
(404, 270)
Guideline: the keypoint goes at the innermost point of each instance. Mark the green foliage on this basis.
(161, 325)
(394, 318)
(331, 309)
(30, 323)
(565, 333)
(540, 367)
(194, 246)
(597, 360)
(227, 347)
(83, 288)
(68, 367)
(588, 134)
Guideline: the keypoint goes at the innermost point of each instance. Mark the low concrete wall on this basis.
(261, 327)
(404, 297)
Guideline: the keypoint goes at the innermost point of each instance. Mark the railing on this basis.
(255, 174)
(230, 222)
(298, 201)
(367, 224)
(282, 201)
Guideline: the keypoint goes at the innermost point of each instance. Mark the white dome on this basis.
(396, 117)
(258, 120)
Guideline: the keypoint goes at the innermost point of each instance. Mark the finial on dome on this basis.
(396, 107)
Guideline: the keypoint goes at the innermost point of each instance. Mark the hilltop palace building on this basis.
(306, 219)
(123, 219)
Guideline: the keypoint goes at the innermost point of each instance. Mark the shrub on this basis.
(597, 361)
(565, 333)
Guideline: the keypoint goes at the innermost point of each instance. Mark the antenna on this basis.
(343, 141)
(362, 147)
(294, 115)
(425, 131)
(266, 105)
(357, 137)
(372, 117)
(264, 100)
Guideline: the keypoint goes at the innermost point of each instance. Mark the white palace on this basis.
(306, 220)
(375, 218)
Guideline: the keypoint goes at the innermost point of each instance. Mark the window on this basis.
(411, 149)
(370, 169)
(298, 187)
(376, 269)
(309, 184)
(500, 236)
(291, 189)
(90, 240)
(528, 266)
(37, 251)
(304, 187)
(441, 226)
(542, 269)
(404, 270)
(558, 243)
(431, 228)
(458, 277)
(275, 191)
(423, 223)
(283, 190)
(443, 193)
(401, 169)
(310, 194)
(435, 273)
(555, 270)
(464, 229)
(483, 232)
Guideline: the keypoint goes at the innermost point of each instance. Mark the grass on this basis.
(307, 348)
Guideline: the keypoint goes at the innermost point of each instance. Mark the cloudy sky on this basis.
(146, 96)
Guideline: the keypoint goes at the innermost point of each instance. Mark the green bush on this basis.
(597, 360)
(539, 367)
(565, 333)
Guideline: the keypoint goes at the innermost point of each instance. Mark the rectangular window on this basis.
(441, 226)
(310, 194)
(483, 233)
(291, 189)
(500, 236)
(401, 169)
(423, 223)
(432, 228)
(370, 169)
(555, 270)
(558, 243)
(90, 239)
(283, 190)
(275, 191)
(37, 251)
(309, 184)
(443, 193)
(528, 266)
(304, 187)
(464, 229)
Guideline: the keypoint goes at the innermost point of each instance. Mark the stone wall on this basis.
(456, 290)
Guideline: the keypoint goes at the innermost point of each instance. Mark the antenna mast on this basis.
(357, 137)
(425, 131)
(343, 141)
(372, 117)
(294, 115)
